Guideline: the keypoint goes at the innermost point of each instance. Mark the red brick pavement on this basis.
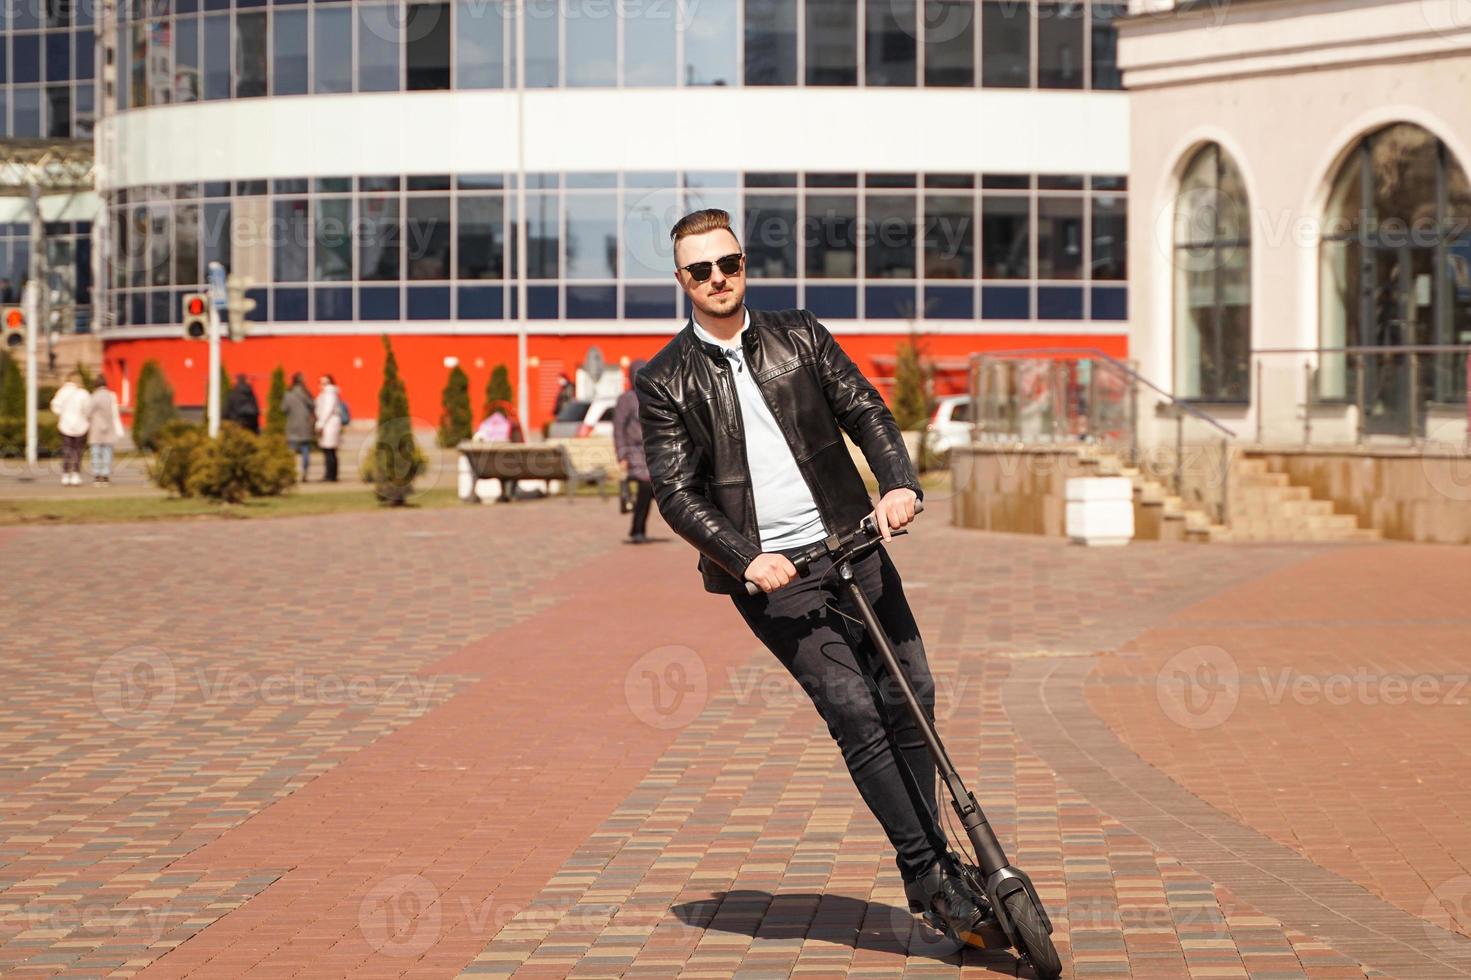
(563, 759)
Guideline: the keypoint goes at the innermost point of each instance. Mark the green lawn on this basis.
(107, 510)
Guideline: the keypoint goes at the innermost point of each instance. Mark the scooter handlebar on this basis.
(803, 561)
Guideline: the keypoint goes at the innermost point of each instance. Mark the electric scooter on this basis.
(1013, 898)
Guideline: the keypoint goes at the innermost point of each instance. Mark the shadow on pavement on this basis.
(837, 919)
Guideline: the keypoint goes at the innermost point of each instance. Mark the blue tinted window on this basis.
(771, 236)
(949, 43)
(1006, 236)
(428, 302)
(332, 248)
(833, 301)
(262, 298)
(651, 302)
(771, 297)
(378, 303)
(289, 30)
(710, 45)
(1060, 45)
(481, 302)
(771, 42)
(378, 47)
(949, 302)
(592, 302)
(291, 305)
(332, 304)
(889, 302)
(27, 119)
(1006, 33)
(479, 44)
(1059, 302)
(58, 56)
(1006, 303)
(1110, 303)
(949, 236)
(292, 236)
(831, 236)
(541, 302)
(1105, 44)
(58, 112)
(890, 250)
(379, 237)
(647, 218)
(427, 233)
(332, 49)
(25, 57)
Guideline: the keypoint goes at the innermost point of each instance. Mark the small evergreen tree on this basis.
(454, 418)
(396, 461)
(224, 387)
(12, 388)
(498, 393)
(911, 406)
(153, 406)
(275, 413)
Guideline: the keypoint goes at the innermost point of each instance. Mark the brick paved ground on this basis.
(492, 741)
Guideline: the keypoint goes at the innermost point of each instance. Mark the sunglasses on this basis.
(729, 266)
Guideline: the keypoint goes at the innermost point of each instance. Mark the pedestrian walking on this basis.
(329, 425)
(743, 414)
(104, 429)
(628, 441)
(72, 405)
(241, 406)
(300, 421)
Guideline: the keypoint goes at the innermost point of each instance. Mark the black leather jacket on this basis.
(694, 438)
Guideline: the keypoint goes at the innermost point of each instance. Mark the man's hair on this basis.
(699, 222)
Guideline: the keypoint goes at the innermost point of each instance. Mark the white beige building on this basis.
(1298, 194)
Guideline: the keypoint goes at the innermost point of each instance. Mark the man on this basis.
(742, 415)
(628, 442)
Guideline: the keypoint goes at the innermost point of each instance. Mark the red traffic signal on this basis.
(196, 316)
(13, 321)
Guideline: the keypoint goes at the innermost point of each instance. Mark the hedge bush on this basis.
(235, 465)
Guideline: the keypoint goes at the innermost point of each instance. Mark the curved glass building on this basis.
(950, 167)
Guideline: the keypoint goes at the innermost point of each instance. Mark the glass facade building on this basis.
(365, 163)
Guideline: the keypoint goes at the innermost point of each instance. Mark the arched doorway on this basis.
(1396, 272)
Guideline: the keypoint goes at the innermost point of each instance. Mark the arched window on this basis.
(1396, 271)
(1212, 252)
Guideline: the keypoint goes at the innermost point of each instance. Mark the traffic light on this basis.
(237, 304)
(14, 320)
(196, 316)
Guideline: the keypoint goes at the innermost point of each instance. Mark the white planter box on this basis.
(1100, 510)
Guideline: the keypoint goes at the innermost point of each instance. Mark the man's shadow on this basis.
(837, 919)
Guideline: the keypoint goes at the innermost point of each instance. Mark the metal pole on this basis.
(214, 371)
(522, 373)
(1261, 402)
(1307, 404)
(1359, 398)
(29, 307)
(35, 306)
(1179, 452)
(1414, 396)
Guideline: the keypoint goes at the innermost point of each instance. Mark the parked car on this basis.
(583, 418)
(950, 424)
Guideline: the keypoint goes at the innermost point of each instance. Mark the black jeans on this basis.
(641, 507)
(842, 673)
(331, 457)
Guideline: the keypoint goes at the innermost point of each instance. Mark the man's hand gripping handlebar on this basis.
(778, 570)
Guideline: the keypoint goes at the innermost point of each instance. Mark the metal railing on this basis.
(1083, 396)
(1360, 394)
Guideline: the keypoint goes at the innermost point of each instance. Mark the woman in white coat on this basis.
(73, 407)
(329, 424)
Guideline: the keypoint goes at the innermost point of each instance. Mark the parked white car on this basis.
(584, 418)
(950, 424)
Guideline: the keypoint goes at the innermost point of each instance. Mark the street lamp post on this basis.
(522, 402)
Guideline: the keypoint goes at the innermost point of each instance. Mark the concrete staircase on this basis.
(1263, 506)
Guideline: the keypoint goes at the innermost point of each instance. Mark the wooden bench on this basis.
(528, 461)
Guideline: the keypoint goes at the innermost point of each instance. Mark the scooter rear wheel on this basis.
(1032, 935)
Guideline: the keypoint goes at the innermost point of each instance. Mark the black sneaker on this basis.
(950, 903)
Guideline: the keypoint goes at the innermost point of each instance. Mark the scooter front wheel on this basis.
(1032, 935)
